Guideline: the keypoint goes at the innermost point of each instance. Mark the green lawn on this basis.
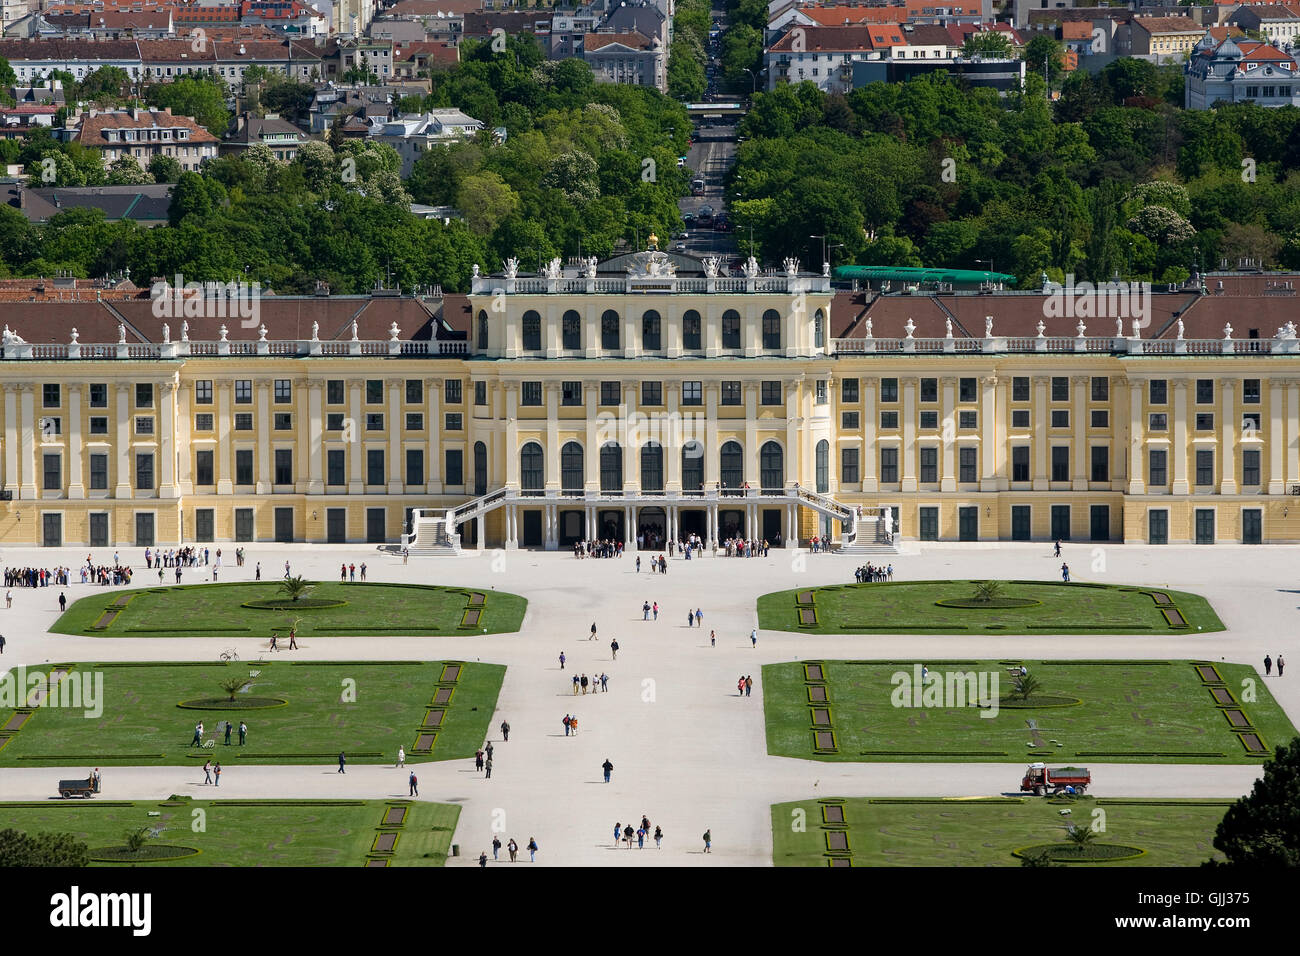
(216, 610)
(908, 607)
(251, 832)
(1127, 711)
(142, 724)
(937, 832)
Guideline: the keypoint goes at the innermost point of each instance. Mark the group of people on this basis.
(597, 683)
(348, 572)
(743, 548)
(745, 686)
(187, 557)
(627, 834)
(104, 575)
(819, 544)
(483, 760)
(659, 564)
(35, 577)
(869, 573)
(604, 548)
(512, 848)
(197, 740)
(1268, 665)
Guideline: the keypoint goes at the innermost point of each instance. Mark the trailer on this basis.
(84, 787)
(1042, 780)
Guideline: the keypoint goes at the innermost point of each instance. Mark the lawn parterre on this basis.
(1126, 711)
(365, 709)
(251, 832)
(332, 609)
(987, 831)
(911, 607)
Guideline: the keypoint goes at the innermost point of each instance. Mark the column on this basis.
(167, 439)
(30, 429)
(225, 425)
(1179, 450)
(1276, 421)
(1041, 415)
(948, 435)
(870, 420)
(264, 476)
(675, 441)
(396, 473)
(11, 438)
(712, 463)
(433, 424)
(1228, 466)
(752, 473)
(511, 451)
(1136, 431)
(1119, 405)
(1293, 432)
(552, 456)
(482, 531)
(632, 445)
(315, 439)
(1082, 456)
(1000, 430)
(184, 431)
(629, 528)
(76, 487)
(908, 451)
(989, 444)
(591, 453)
(123, 487)
(793, 421)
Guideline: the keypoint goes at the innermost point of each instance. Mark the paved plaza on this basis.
(687, 752)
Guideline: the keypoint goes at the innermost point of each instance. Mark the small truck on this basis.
(85, 787)
(1041, 779)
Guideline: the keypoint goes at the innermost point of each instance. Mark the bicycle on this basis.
(229, 654)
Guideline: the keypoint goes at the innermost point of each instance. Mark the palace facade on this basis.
(655, 393)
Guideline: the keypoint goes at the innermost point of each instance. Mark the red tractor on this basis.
(1042, 780)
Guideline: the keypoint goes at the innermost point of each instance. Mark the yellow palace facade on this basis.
(649, 395)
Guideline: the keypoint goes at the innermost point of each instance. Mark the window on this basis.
(284, 466)
(1020, 388)
(651, 326)
(1250, 423)
(374, 421)
(929, 464)
(335, 467)
(415, 391)
(888, 390)
(1020, 463)
(203, 392)
(771, 466)
(1020, 418)
(611, 467)
(849, 466)
(610, 393)
(819, 330)
(51, 395)
(1249, 391)
(1204, 467)
(849, 421)
(480, 468)
(652, 467)
(530, 393)
(1250, 467)
(1100, 463)
(571, 476)
(1158, 467)
(99, 425)
(849, 391)
(244, 391)
(731, 393)
(482, 330)
(98, 472)
(144, 471)
(1060, 388)
(375, 466)
(1100, 388)
(532, 331)
(692, 393)
(453, 422)
(1205, 391)
(966, 464)
(1158, 392)
(283, 421)
(99, 395)
(929, 389)
(889, 465)
(333, 392)
(451, 391)
(1100, 418)
(1060, 463)
(144, 425)
(888, 421)
(455, 462)
(283, 391)
(609, 330)
(1158, 422)
(691, 336)
(51, 426)
(692, 466)
(203, 472)
(771, 329)
(531, 463)
(414, 422)
(143, 395)
(203, 422)
(52, 468)
(480, 393)
(820, 392)
(1205, 421)
(929, 421)
(732, 465)
(731, 329)
(968, 419)
(1060, 418)
(652, 393)
(571, 331)
(771, 393)
(374, 391)
(966, 390)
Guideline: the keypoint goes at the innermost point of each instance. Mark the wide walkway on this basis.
(687, 751)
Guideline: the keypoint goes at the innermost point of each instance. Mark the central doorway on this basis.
(653, 524)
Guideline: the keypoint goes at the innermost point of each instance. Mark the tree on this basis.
(164, 169)
(1025, 686)
(135, 839)
(295, 587)
(127, 172)
(7, 77)
(987, 43)
(199, 96)
(1080, 836)
(486, 200)
(107, 83)
(1044, 48)
(233, 685)
(17, 849)
(1262, 829)
(1161, 225)
(986, 591)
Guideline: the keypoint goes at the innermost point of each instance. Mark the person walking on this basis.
(496, 847)
(478, 760)
(487, 766)
(604, 682)
(618, 832)
(415, 785)
(229, 726)
(1280, 665)
(613, 646)
(207, 772)
(699, 618)
(740, 686)
(638, 564)
(63, 602)
(243, 733)
(401, 756)
(293, 637)
(216, 772)
(482, 859)
(532, 850)
(573, 725)
(645, 611)
(656, 610)
(708, 841)
(505, 730)
(1065, 573)
(713, 638)
(749, 686)
(593, 631)
(342, 761)
(1057, 552)
(576, 683)
(659, 836)
(513, 848)
(488, 750)
(561, 660)
(753, 637)
(566, 725)
(1268, 665)
(198, 735)
(608, 768)
(690, 618)
(257, 572)
(274, 638)
(584, 685)
(640, 839)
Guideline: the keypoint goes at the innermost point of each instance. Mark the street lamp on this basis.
(752, 77)
(982, 261)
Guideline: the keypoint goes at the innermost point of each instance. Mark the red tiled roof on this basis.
(90, 131)
(839, 39)
(598, 41)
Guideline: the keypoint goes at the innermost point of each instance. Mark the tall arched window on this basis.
(572, 330)
(651, 340)
(771, 466)
(731, 329)
(771, 329)
(732, 461)
(531, 467)
(532, 331)
(611, 467)
(819, 329)
(823, 467)
(693, 466)
(692, 331)
(571, 467)
(480, 468)
(609, 330)
(482, 331)
(652, 467)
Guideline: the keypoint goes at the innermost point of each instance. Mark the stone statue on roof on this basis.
(751, 267)
(711, 264)
(512, 268)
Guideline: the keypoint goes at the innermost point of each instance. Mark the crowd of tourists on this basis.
(188, 557)
(604, 548)
(743, 548)
(869, 573)
(35, 577)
